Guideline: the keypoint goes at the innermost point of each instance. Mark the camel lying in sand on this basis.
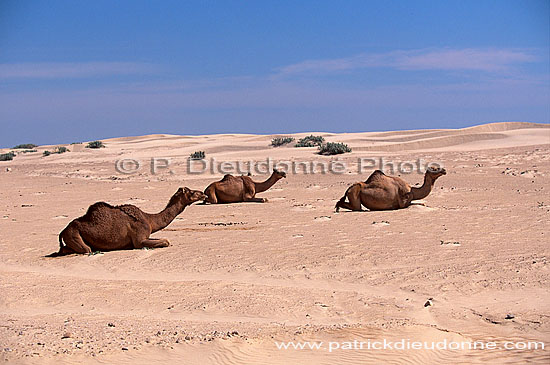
(382, 192)
(123, 227)
(234, 189)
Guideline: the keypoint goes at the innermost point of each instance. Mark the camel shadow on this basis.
(66, 253)
(381, 210)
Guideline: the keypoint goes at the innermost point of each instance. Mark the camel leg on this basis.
(154, 243)
(65, 251)
(354, 205)
(354, 202)
(340, 204)
(250, 196)
(210, 196)
(406, 200)
(256, 200)
(74, 243)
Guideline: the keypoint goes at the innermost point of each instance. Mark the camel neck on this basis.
(162, 219)
(424, 190)
(263, 186)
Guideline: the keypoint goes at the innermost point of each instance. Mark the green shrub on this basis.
(198, 155)
(26, 146)
(27, 151)
(76, 143)
(95, 144)
(7, 156)
(58, 149)
(331, 148)
(279, 141)
(310, 141)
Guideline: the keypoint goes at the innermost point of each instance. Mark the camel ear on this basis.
(180, 190)
(186, 189)
(275, 170)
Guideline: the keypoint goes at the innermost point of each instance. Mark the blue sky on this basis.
(82, 70)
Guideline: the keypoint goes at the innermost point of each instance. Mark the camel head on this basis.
(187, 196)
(191, 196)
(435, 172)
(279, 174)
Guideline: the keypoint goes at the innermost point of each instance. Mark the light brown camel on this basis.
(234, 189)
(123, 227)
(382, 192)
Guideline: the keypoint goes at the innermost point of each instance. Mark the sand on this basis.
(470, 264)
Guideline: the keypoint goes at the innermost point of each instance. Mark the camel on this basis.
(382, 192)
(236, 189)
(123, 227)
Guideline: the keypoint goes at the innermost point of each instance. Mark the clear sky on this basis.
(83, 70)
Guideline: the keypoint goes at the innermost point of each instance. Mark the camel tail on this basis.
(59, 253)
(343, 199)
(61, 240)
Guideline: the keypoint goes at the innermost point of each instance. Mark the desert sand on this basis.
(471, 264)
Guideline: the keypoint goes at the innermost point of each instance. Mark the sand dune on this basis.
(238, 278)
(434, 142)
(458, 138)
(508, 134)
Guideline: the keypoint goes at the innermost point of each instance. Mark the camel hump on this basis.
(227, 177)
(97, 206)
(130, 210)
(375, 176)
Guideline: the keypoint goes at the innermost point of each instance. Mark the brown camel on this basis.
(235, 189)
(124, 227)
(382, 192)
